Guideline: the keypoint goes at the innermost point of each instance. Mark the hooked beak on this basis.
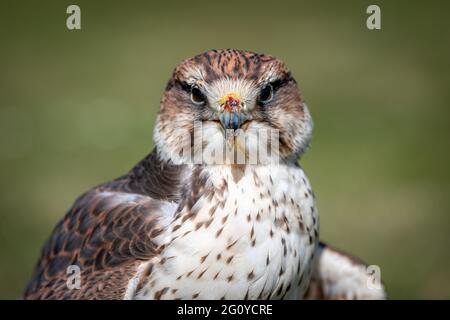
(232, 115)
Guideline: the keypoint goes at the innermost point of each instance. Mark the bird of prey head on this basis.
(232, 96)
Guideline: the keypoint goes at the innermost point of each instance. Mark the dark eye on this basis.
(266, 94)
(197, 95)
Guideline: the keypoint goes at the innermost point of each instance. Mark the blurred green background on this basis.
(77, 108)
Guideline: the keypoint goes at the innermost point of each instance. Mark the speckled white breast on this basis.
(253, 239)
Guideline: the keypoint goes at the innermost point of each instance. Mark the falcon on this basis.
(183, 225)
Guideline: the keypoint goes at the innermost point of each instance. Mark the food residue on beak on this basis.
(230, 102)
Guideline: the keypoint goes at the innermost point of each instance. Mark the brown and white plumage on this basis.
(176, 229)
(108, 232)
(340, 276)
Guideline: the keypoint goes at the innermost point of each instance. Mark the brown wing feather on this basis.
(107, 233)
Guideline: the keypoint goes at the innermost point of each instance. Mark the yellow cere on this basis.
(227, 97)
